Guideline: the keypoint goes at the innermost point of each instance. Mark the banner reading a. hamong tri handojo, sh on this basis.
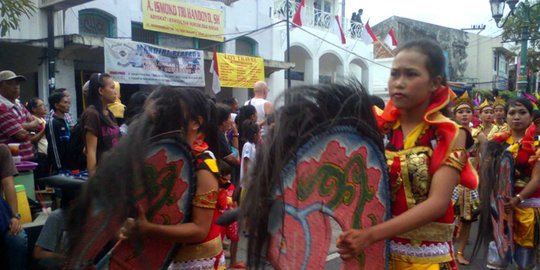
(141, 63)
(184, 19)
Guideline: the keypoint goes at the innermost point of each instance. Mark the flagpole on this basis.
(288, 55)
(343, 14)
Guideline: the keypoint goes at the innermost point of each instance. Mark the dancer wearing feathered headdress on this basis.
(487, 129)
(426, 155)
(466, 201)
(515, 214)
(499, 108)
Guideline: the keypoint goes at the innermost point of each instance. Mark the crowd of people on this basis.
(434, 153)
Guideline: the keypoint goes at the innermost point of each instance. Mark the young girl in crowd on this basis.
(100, 131)
(252, 136)
(426, 156)
(188, 118)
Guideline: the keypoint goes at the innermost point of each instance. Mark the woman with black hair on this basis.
(187, 117)
(100, 131)
(426, 156)
(519, 140)
(37, 107)
(251, 136)
(309, 112)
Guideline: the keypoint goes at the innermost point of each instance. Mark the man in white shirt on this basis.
(263, 106)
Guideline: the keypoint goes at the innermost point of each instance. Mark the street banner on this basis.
(141, 63)
(179, 18)
(239, 71)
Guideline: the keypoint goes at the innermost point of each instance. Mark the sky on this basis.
(456, 14)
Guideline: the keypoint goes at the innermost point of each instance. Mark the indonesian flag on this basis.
(367, 34)
(390, 39)
(216, 84)
(338, 30)
(299, 15)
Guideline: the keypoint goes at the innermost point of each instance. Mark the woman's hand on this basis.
(353, 242)
(15, 226)
(131, 226)
(511, 203)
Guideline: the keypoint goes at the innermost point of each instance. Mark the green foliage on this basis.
(11, 11)
(506, 95)
(526, 14)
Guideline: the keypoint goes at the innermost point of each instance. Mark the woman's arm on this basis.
(232, 160)
(91, 141)
(34, 138)
(41, 253)
(530, 188)
(192, 232)
(444, 180)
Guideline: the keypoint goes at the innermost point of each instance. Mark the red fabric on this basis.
(297, 19)
(447, 132)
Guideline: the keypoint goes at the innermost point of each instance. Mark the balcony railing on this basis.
(316, 18)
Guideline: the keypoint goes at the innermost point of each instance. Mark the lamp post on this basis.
(497, 11)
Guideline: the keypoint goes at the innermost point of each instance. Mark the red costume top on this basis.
(412, 162)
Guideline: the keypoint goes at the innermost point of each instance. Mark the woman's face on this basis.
(40, 109)
(410, 85)
(107, 92)
(464, 115)
(499, 113)
(518, 117)
(227, 124)
(486, 115)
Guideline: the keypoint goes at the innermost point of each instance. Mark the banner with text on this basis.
(179, 18)
(239, 71)
(140, 63)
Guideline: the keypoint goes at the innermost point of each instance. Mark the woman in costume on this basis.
(466, 201)
(519, 141)
(426, 156)
(188, 118)
(485, 131)
(499, 109)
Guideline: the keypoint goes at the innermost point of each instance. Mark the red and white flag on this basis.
(300, 14)
(335, 26)
(367, 34)
(390, 39)
(216, 84)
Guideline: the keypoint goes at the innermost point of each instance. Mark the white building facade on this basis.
(316, 52)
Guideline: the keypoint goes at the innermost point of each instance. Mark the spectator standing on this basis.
(36, 106)
(263, 106)
(100, 131)
(16, 122)
(69, 119)
(13, 237)
(58, 132)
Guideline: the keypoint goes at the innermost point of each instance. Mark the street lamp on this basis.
(497, 12)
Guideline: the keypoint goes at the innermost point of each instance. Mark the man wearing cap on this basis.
(15, 120)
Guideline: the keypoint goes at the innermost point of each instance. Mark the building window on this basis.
(495, 62)
(208, 45)
(96, 22)
(138, 33)
(246, 46)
